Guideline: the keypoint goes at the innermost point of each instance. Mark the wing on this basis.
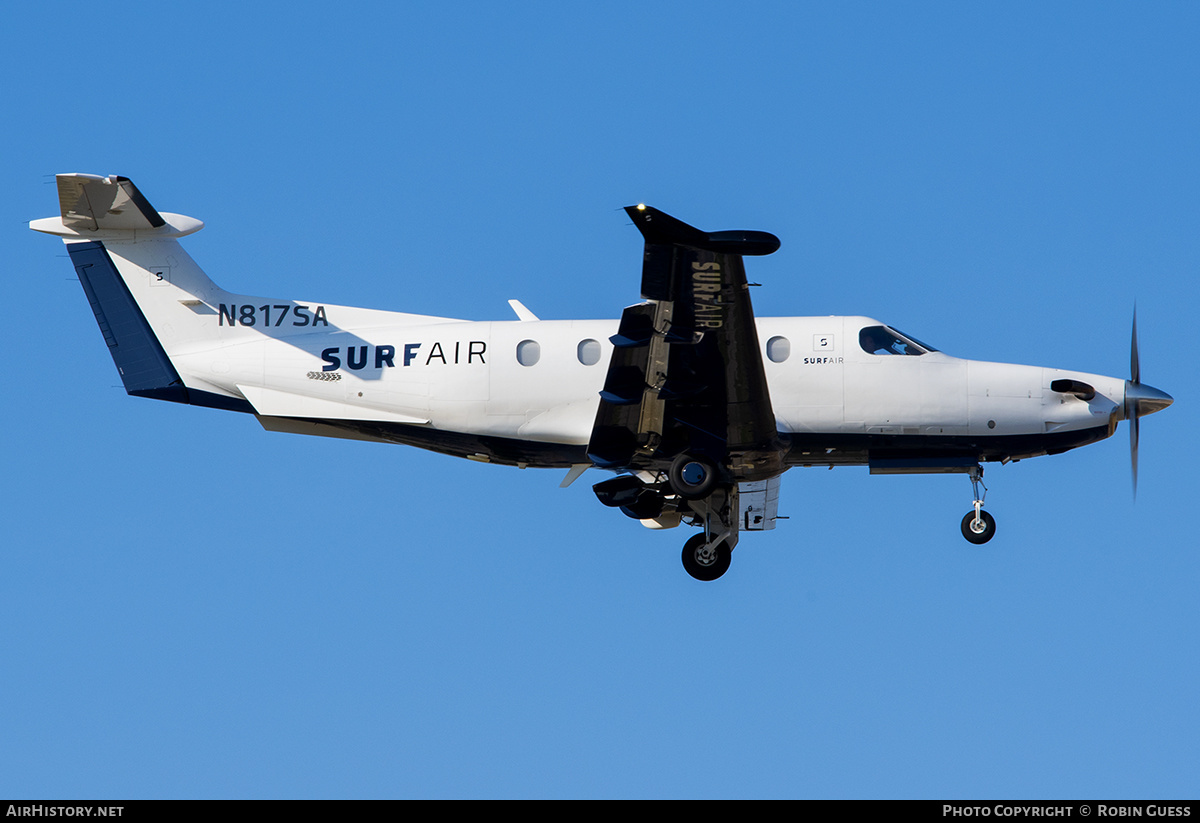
(686, 373)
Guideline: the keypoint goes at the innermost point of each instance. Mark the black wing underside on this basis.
(686, 373)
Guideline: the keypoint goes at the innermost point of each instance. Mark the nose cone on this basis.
(1145, 399)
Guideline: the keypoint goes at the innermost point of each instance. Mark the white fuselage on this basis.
(297, 361)
(466, 377)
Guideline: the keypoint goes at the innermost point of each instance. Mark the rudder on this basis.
(144, 367)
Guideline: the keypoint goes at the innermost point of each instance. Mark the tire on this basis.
(981, 537)
(693, 477)
(705, 566)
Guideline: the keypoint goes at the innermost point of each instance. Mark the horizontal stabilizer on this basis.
(275, 403)
(92, 203)
(98, 207)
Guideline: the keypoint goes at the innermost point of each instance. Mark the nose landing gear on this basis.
(978, 526)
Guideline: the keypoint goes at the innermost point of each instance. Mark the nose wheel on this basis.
(977, 525)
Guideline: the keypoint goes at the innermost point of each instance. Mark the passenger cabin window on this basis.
(883, 340)
(588, 352)
(528, 352)
(778, 349)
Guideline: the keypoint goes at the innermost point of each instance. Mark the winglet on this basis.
(661, 228)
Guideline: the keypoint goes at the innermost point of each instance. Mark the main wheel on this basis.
(692, 477)
(981, 533)
(705, 563)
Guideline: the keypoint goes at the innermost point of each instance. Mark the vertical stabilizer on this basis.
(145, 368)
(150, 299)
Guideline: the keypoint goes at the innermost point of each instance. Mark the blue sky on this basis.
(193, 607)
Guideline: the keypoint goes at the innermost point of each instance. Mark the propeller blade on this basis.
(1133, 450)
(1135, 366)
(1131, 409)
(1140, 400)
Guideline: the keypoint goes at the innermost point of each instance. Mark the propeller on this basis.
(1140, 400)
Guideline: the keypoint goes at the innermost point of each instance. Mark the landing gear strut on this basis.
(978, 526)
(692, 493)
(706, 556)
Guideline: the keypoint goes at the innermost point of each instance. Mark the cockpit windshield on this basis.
(886, 340)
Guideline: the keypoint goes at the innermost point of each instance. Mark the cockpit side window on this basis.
(882, 340)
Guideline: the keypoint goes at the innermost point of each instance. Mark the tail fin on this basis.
(172, 332)
(149, 297)
(145, 368)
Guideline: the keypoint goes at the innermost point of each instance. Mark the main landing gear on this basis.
(706, 502)
(692, 477)
(691, 492)
(978, 526)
